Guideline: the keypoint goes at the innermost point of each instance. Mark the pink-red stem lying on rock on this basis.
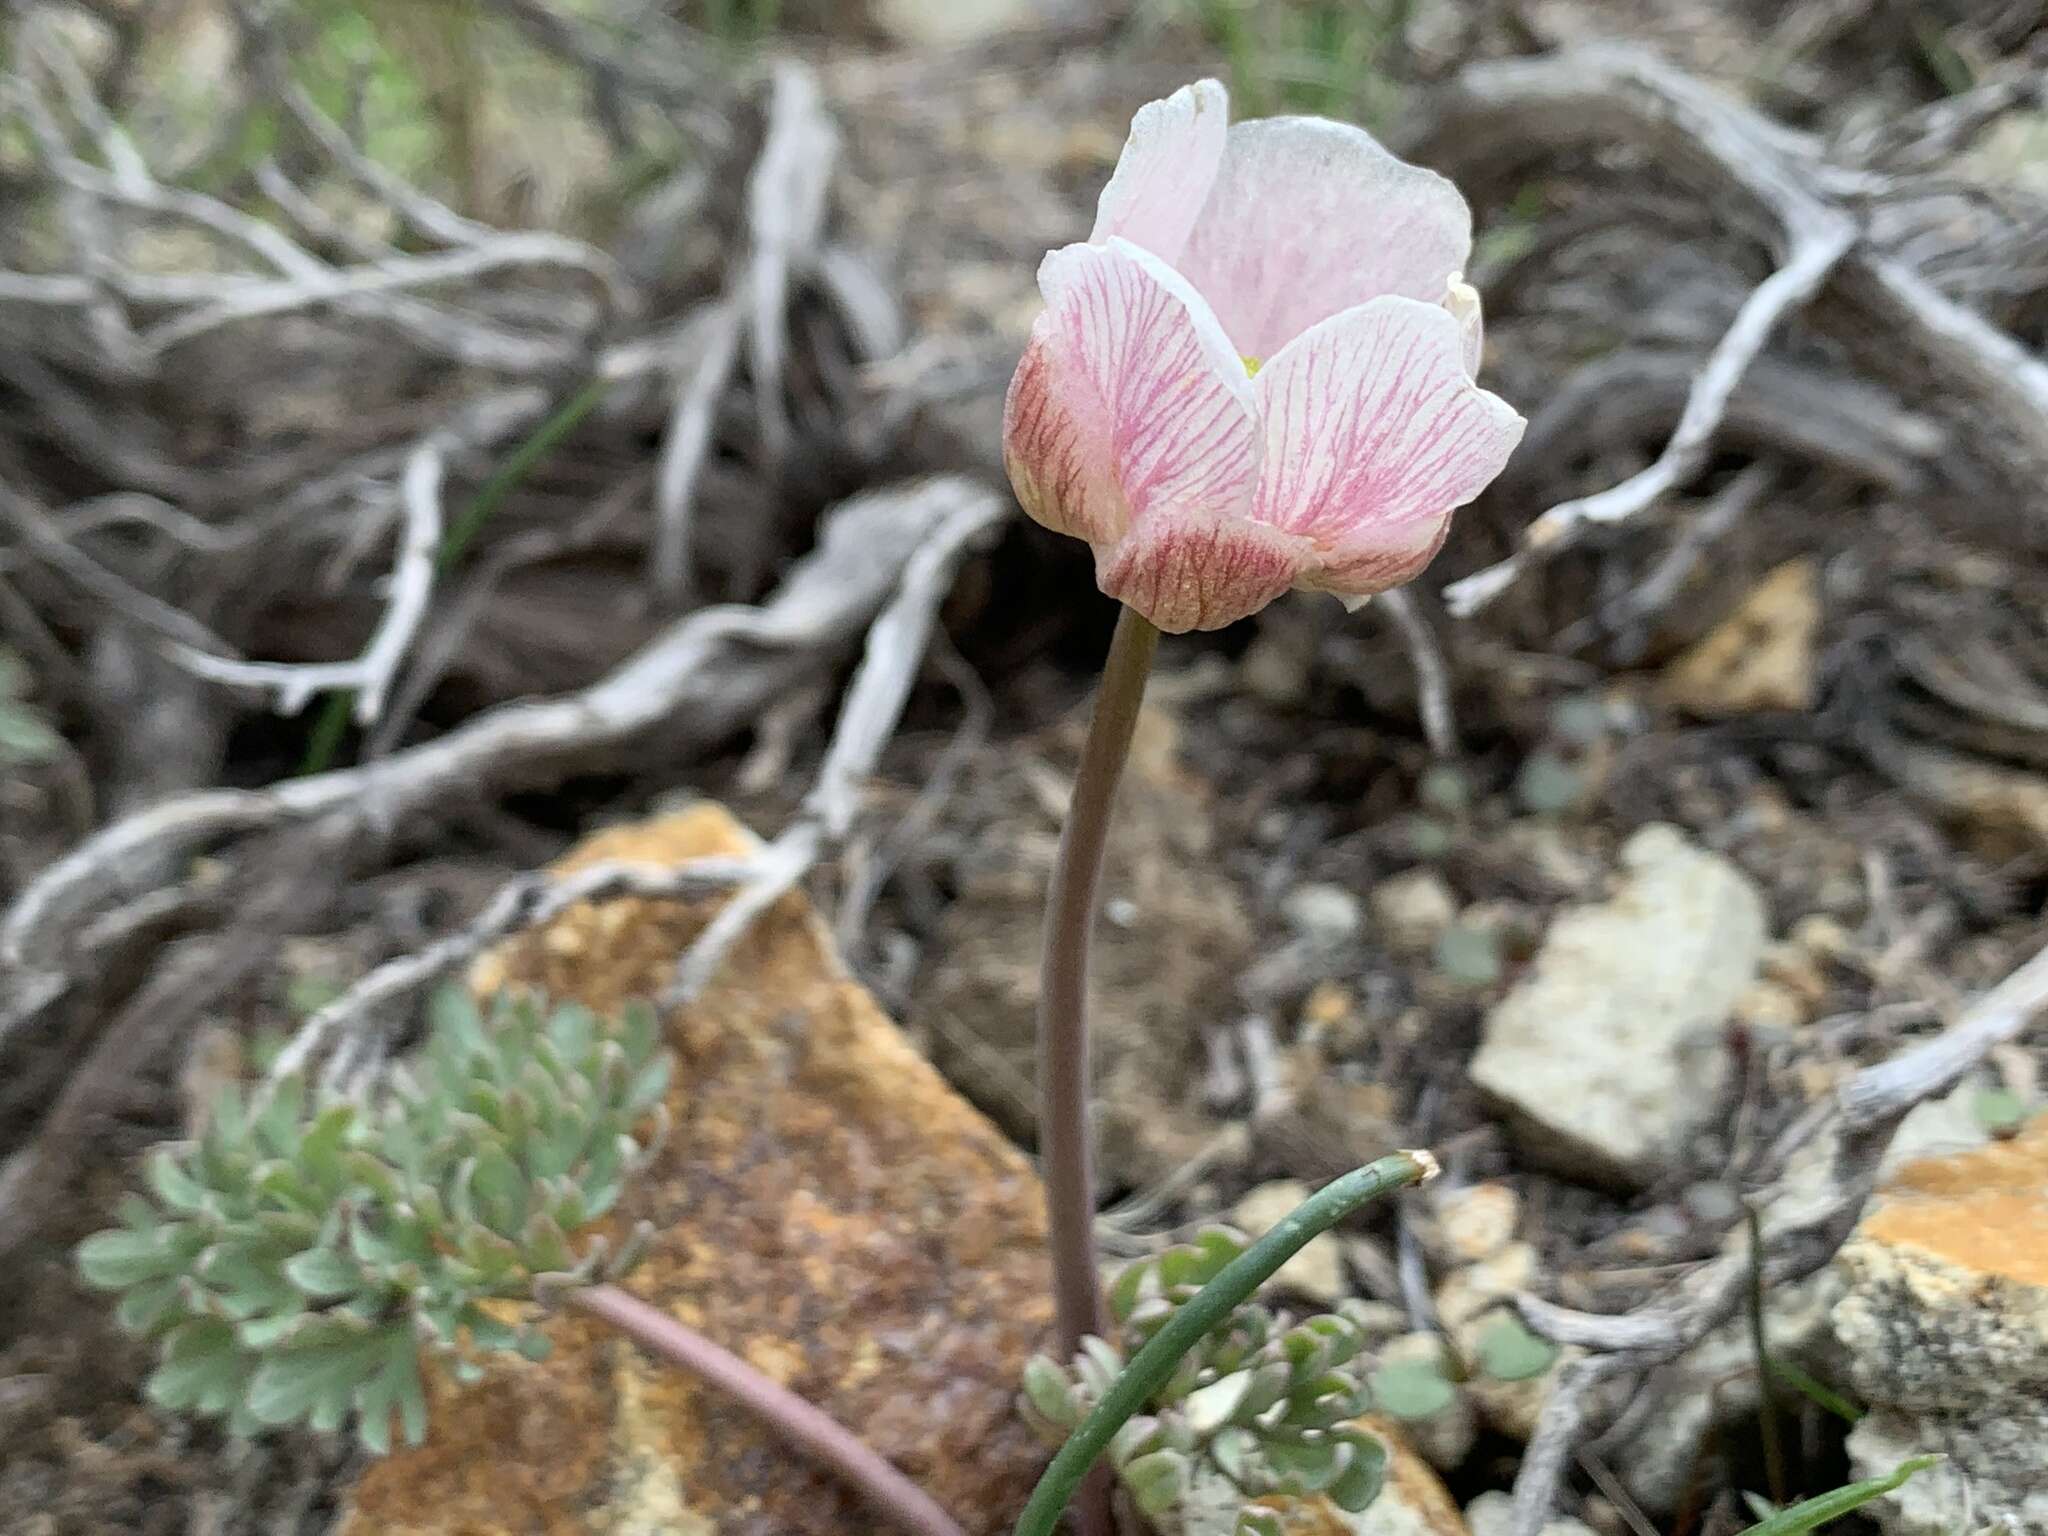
(803, 1426)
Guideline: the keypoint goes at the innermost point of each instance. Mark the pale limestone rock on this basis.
(1610, 1054)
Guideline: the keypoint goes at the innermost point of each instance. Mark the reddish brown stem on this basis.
(803, 1426)
(1065, 1150)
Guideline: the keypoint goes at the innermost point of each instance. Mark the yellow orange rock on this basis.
(826, 1207)
(1761, 657)
(1944, 1326)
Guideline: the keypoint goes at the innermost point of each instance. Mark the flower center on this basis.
(1251, 366)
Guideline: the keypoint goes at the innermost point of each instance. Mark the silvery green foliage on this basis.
(1266, 1402)
(25, 736)
(301, 1256)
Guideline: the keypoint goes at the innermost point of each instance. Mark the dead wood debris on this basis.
(211, 487)
(1803, 1229)
(1820, 218)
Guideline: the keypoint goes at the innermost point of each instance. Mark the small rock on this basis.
(1377, 1320)
(1493, 1514)
(1317, 1272)
(828, 1207)
(1411, 910)
(1945, 1324)
(1770, 1008)
(1477, 1221)
(1761, 657)
(1797, 969)
(1712, 1204)
(1608, 1058)
(1323, 913)
(1469, 955)
(1469, 1293)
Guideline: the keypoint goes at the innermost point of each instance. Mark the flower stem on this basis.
(1063, 1049)
(801, 1425)
(1194, 1318)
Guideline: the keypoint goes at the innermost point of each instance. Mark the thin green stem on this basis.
(1759, 1341)
(1152, 1365)
(1063, 1047)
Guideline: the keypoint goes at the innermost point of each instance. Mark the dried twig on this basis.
(1802, 1233)
(1432, 677)
(706, 673)
(524, 902)
(370, 675)
(1498, 116)
(874, 703)
(1816, 248)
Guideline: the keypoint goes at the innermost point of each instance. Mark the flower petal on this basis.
(1308, 217)
(1127, 398)
(1374, 433)
(1462, 300)
(1162, 178)
(1188, 569)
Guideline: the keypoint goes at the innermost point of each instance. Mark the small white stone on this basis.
(1323, 913)
(1411, 910)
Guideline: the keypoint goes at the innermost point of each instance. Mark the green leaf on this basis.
(151, 1306)
(1208, 1409)
(1253, 1520)
(1547, 784)
(1125, 1288)
(393, 1389)
(1364, 1471)
(1412, 1390)
(1269, 1383)
(1140, 1436)
(1050, 1393)
(200, 1367)
(1469, 956)
(175, 1187)
(1815, 1512)
(455, 1023)
(321, 1272)
(1304, 1466)
(1235, 1452)
(1508, 1351)
(115, 1260)
(24, 737)
(317, 1380)
(1157, 1481)
(1999, 1111)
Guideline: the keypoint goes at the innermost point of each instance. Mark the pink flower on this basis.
(1257, 372)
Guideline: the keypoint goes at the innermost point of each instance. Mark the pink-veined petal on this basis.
(1128, 398)
(1310, 217)
(1188, 569)
(1162, 178)
(1374, 434)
